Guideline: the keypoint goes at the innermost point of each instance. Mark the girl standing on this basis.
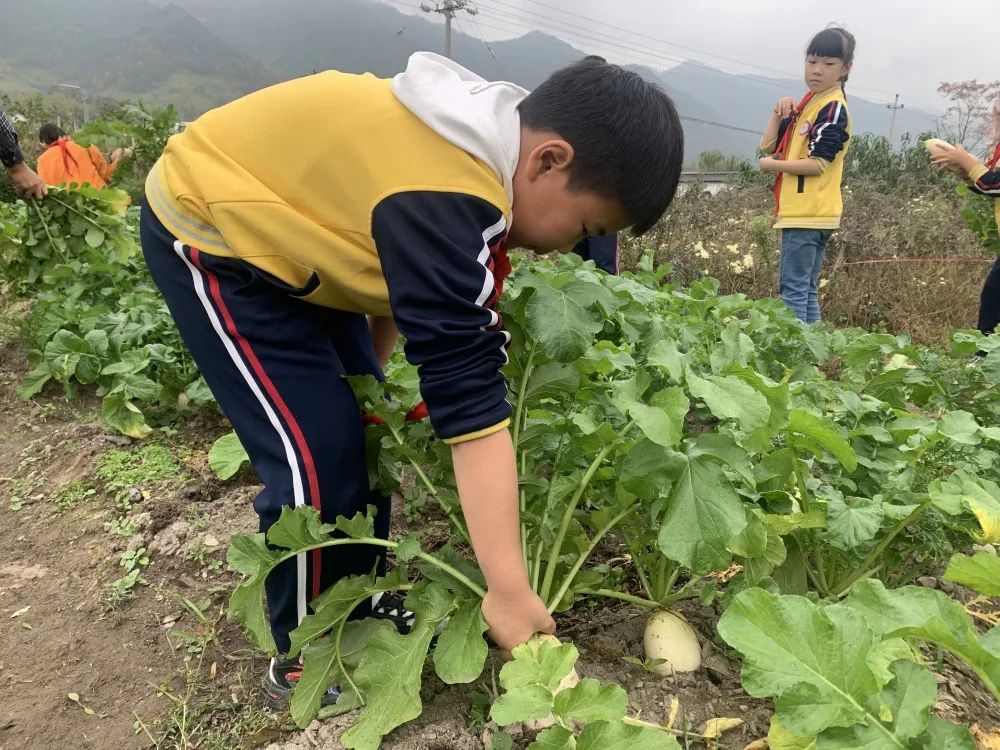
(808, 143)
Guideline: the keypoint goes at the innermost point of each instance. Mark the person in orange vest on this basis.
(64, 161)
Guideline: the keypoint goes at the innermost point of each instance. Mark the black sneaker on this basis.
(280, 680)
(390, 606)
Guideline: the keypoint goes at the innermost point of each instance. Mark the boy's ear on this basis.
(554, 154)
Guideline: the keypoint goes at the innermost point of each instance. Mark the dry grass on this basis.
(907, 290)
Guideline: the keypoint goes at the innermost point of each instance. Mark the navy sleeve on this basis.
(782, 127)
(10, 154)
(987, 184)
(829, 133)
(444, 262)
(602, 250)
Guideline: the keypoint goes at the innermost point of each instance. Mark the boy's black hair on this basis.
(50, 133)
(625, 132)
(833, 41)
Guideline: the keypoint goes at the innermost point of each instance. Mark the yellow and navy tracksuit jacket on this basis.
(986, 181)
(822, 132)
(332, 185)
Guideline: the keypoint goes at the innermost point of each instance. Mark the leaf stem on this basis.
(456, 522)
(866, 565)
(550, 569)
(375, 542)
(622, 596)
(582, 557)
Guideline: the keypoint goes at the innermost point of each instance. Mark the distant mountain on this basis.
(120, 49)
(201, 53)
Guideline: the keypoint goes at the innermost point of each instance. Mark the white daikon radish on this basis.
(669, 637)
(936, 146)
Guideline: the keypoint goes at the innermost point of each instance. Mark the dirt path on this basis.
(60, 633)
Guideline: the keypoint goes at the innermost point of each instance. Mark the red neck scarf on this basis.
(67, 157)
(781, 151)
(995, 159)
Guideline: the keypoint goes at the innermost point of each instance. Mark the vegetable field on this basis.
(806, 516)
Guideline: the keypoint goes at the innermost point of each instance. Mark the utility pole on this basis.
(83, 97)
(448, 9)
(892, 125)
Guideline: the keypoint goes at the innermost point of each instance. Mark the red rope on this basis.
(781, 150)
(918, 260)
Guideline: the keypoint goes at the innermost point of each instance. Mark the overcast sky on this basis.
(906, 47)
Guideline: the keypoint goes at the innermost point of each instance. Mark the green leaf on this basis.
(251, 556)
(728, 397)
(664, 354)
(460, 653)
(812, 427)
(299, 528)
(34, 381)
(554, 738)
(390, 670)
(779, 738)
(521, 704)
(905, 705)
(562, 321)
(124, 416)
(645, 469)
(703, 514)
(616, 735)
(981, 572)
(850, 526)
(813, 660)
(226, 456)
(408, 547)
(541, 661)
(330, 608)
(588, 700)
(662, 421)
(961, 427)
(963, 491)
(94, 237)
(318, 674)
(943, 735)
(552, 380)
(915, 611)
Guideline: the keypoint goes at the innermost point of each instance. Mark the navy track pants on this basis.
(275, 364)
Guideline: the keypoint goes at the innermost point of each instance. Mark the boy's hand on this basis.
(515, 617)
(785, 106)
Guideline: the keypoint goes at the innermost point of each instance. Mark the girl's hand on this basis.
(767, 164)
(785, 106)
(956, 160)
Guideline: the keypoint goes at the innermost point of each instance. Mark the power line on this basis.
(702, 52)
(514, 23)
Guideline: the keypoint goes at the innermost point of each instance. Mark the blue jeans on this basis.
(802, 252)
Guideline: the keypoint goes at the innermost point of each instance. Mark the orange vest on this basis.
(64, 162)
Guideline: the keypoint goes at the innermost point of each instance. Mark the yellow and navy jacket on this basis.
(986, 181)
(822, 132)
(332, 185)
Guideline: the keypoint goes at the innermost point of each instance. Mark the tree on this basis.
(967, 119)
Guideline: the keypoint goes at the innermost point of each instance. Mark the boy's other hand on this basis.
(515, 617)
(785, 106)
